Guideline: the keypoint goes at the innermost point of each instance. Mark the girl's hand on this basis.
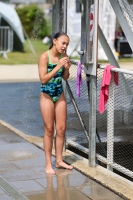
(67, 65)
(63, 61)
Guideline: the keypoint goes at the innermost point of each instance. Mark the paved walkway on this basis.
(22, 175)
(29, 72)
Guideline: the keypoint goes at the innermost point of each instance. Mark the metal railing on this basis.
(114, 128)
(6, 40)
(115, 125)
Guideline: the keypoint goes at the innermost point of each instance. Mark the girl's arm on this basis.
(66, 74)
(42, 68)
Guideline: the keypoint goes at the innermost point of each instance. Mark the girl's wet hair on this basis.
(56, 36)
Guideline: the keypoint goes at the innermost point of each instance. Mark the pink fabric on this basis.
(104, 87)
(79, 78)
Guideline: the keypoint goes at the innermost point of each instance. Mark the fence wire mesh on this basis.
(78, 114)
(75, 130)
(115, 149)
(122, 109)
(127, 10)
(101, 121)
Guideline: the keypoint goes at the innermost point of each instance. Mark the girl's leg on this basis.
(47, 111)
(60, 118)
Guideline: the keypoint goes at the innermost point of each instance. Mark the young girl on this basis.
(54, 65)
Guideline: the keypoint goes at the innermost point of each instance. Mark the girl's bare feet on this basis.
(61, 164)
(49, 170)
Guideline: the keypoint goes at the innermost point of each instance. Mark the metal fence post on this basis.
(59, 16)
(89, 56)
(64, 29)
(55, 17)
(110, 125)
(92, 122)
(93, 91)
(59, 23)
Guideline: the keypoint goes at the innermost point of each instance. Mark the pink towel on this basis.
(104, 87)
(79, 78)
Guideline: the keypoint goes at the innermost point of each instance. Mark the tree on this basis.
(33, 21)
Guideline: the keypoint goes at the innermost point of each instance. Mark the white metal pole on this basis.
(110, 125)
(93, 91)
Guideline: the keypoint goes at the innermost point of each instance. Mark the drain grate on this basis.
(10, 190)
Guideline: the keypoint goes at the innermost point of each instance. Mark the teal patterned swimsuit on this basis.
(54, 87)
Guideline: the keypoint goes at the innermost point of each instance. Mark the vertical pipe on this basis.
(93, 91)
(110, 125)
(55, 16)
(65, 17)
(64, 29)
(59, 23)
(83, 29)
(88, 49)
(55, 29)
(92, 122)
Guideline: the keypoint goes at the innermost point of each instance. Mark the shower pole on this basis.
(59, 23)
(89, 58)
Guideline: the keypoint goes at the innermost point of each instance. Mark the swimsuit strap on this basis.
(60, 55)
(49, 56)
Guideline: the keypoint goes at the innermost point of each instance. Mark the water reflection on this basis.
(62, 186)
(58, 189)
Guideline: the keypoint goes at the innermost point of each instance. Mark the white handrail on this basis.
(118, 70)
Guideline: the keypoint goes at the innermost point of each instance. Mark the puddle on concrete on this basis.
(66, 185)
(60, 194)
(23, 155)
(14, 140)
(19, 155)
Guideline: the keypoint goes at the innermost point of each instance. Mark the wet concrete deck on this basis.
(22, 175)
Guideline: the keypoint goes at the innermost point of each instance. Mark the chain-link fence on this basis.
(115, 125)
(127, 10)
(114, 129)
(77, 112)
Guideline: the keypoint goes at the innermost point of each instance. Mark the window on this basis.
(78, 6)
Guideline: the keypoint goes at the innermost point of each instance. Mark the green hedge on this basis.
(33, 21)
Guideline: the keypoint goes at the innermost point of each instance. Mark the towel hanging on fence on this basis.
(79, 78)
(104, 87)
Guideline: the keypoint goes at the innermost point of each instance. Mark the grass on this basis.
(121, 60)
(27, 57)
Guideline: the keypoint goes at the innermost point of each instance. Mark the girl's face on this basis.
(61, 43)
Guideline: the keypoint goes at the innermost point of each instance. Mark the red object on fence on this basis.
(104, 93)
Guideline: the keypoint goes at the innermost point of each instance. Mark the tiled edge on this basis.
(31, 139)
(10, 190)
(110, 180)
